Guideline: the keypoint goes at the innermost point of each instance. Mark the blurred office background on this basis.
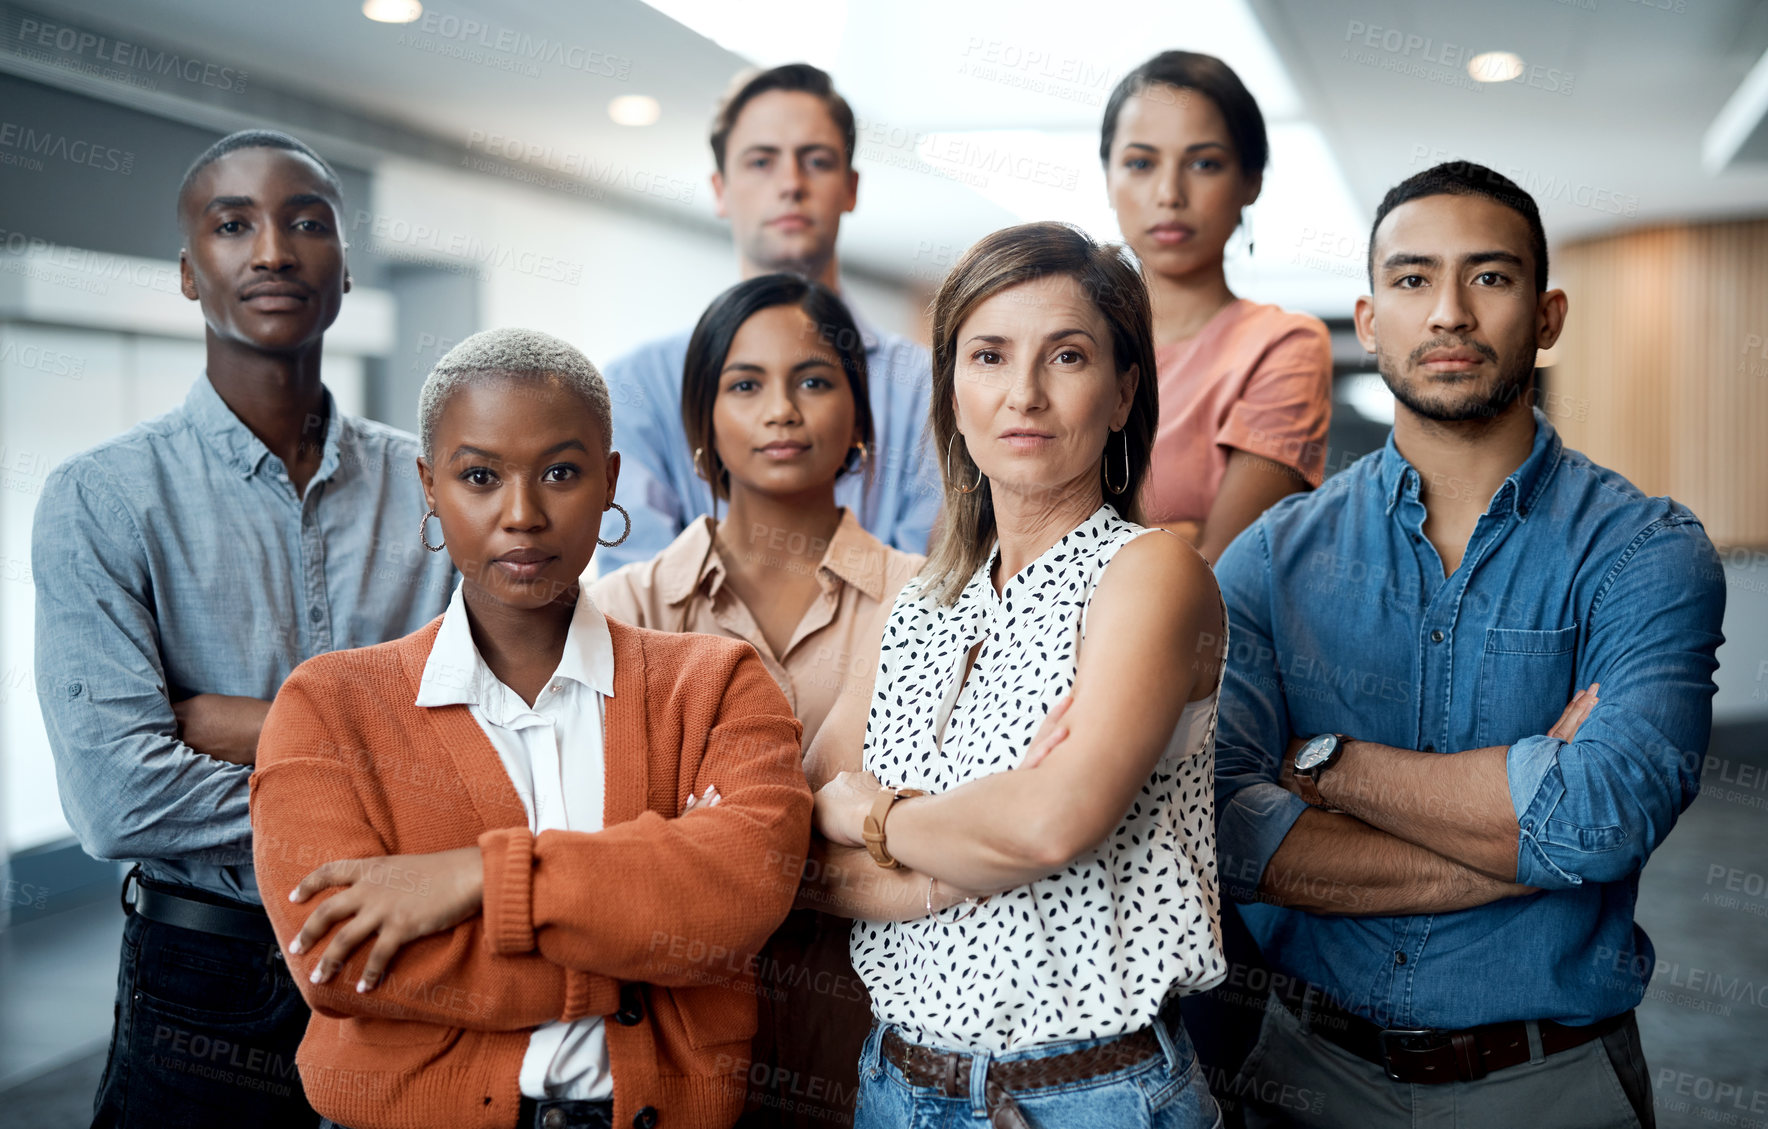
(513, 162)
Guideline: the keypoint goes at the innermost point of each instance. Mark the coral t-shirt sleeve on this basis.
(1286, 407)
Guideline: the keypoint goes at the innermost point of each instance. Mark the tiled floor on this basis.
(58, 981)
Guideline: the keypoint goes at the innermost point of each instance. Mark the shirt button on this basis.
(315, 614)
(1436, 636)
(1430, 748)
(645, 1118)
(1399, 958)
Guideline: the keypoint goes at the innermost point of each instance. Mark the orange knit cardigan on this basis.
(653, 921)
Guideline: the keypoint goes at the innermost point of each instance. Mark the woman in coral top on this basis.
(1245, 388)
(523, 859)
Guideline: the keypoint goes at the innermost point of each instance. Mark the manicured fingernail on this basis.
(295, 945)
(313, 976)
(294, 895)
(362, 985)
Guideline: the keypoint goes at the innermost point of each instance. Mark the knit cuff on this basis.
(587, 993)
(509, 889)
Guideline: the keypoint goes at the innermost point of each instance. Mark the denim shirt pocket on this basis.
(1525, 681)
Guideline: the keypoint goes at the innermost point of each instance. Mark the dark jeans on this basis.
(1224, 1022)
(205, 1034)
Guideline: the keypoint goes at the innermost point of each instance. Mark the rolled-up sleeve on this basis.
(129, 787)
(1593, 809)
(1253, 811)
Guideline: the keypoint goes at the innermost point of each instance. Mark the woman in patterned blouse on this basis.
(1020, 817)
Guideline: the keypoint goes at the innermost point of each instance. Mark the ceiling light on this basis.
(1494, 66)
(635, 109)
(392, 11)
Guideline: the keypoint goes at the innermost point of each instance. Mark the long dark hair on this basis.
(1005, 259)
(1208, 76)
(711, 344)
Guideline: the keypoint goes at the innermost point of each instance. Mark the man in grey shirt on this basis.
(184, 569)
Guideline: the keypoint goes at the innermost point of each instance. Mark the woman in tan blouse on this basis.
(775, 407)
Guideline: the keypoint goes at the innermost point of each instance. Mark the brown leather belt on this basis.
(1431, 1055)
(949, 1071)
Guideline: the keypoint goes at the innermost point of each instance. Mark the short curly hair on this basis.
(516, 354)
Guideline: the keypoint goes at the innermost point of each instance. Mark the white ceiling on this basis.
(1647, 80)
(948, 88)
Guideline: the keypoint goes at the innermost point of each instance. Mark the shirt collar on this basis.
(234, 441)
(692, 562)
(1520, 489)
(456, 674)
(855, 557)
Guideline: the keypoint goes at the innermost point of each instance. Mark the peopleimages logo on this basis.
(130, 57)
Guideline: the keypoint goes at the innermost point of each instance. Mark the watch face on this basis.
(1315, 752)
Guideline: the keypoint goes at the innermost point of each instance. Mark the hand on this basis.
(1049, 734)
(223, 726)
(1576, 711)
(842, 806)
(709, 800)
(394, 899)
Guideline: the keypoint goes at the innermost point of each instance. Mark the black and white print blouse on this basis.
(1093, 949)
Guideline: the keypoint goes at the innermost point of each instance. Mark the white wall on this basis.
(602, 279)
(1743, 659)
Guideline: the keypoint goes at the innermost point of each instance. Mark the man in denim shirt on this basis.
(183, 570)
(783, 144)
(1469, 693)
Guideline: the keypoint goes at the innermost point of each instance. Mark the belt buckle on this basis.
(1388, 1037)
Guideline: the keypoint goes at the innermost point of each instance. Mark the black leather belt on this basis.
(198, 910)
(1432, 1054)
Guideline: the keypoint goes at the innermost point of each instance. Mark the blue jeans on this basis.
(205, 1034)
(1165, 1092)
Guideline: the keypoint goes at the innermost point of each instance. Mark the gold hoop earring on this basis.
(625, 533)
(848, 466)
(1105, 467)
(971, 489)
(698, 473)
(423, 532)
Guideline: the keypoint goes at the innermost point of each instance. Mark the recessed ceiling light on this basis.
(635, 109)
(1494, 66)
(392, 11)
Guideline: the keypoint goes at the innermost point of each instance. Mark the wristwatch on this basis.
(873, 832)
(1316, 755)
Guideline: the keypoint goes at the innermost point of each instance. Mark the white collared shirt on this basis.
(553, 753)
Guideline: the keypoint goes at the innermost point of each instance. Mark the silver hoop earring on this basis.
(971, 489)
(423, 533)
(624, 533)
(1106, 466)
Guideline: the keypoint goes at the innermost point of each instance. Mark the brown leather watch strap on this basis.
(874, 828)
